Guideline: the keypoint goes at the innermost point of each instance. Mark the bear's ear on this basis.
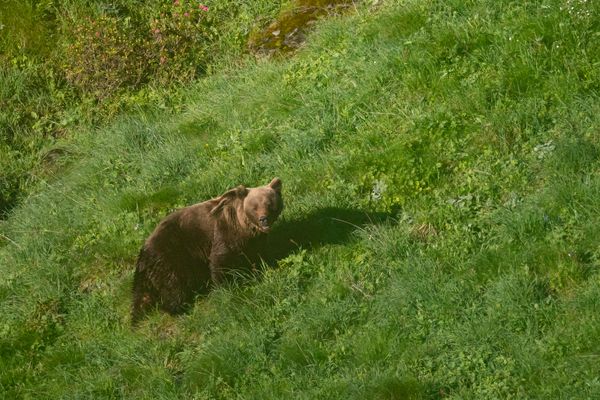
(229, 197)
(275, 184)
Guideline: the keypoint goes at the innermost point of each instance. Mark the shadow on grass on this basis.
(331, 225)
(326, 226)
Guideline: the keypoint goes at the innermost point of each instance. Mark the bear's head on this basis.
(257, 207)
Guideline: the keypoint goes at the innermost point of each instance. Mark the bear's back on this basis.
(184, 234)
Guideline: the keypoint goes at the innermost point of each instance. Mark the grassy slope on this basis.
(478, 125)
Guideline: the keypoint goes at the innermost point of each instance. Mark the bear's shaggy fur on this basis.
(193, 247)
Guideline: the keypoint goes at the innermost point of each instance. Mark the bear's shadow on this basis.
(326, 226)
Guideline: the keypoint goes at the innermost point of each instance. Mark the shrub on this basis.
(104, 55)
(109, 53)
(178, 41)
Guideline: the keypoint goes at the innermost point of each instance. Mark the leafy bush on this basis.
(105, 55)
(110, 53)
(178, 41)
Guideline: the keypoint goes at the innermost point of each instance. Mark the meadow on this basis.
(441, 173)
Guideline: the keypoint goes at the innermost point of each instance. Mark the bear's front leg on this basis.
(217, 262)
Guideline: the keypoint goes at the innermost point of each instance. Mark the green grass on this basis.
(441, 169)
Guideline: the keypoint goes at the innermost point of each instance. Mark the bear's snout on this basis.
(264, 223)
(264, 220)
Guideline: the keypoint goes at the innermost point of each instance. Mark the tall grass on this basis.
(440, 163)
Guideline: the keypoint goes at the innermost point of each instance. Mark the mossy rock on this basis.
(288, 32)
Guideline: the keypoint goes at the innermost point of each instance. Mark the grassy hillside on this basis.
(441, 169)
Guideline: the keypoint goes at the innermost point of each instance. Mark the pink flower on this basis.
(157, 30)
(187, 14)
(203, 7)
(176, 2)
(97, 34)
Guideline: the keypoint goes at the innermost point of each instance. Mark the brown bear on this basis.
(195, 246)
